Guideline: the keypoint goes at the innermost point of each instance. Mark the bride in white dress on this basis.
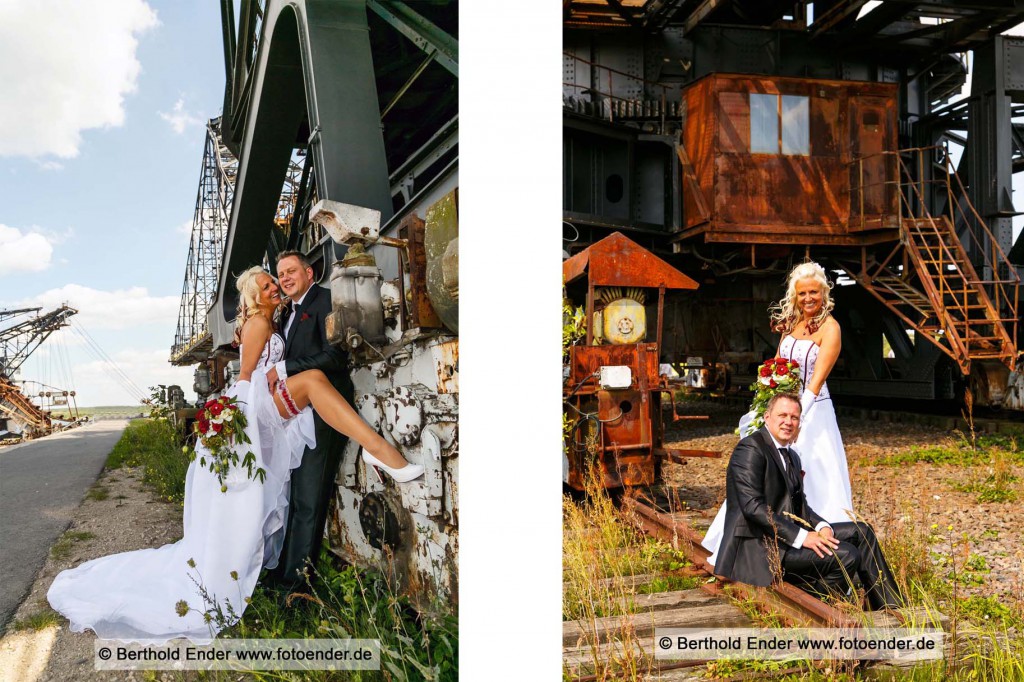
(154, 595)
(811, 336)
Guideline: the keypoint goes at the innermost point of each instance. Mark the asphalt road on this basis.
(41, 485)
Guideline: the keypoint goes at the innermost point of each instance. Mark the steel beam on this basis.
(313, 69)
(423, 33)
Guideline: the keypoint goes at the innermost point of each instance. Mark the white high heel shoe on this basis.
(407, 473)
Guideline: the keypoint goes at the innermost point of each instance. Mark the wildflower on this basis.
(936, 497)
(191, 563)
(207, 617)
(935, 526)
(181, 608)
(949, 527)
(234, 575)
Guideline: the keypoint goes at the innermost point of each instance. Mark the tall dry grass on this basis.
(603, 559)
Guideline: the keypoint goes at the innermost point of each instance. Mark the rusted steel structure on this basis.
(343, 118)
(771, 160)
(613, 387)
(18, 413)
(737, 138)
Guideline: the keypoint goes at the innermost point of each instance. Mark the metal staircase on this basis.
(930, 280)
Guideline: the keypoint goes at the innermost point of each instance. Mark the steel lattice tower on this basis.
(209, 229)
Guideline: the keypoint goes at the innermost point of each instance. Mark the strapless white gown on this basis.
(820, 446)
(133, 596)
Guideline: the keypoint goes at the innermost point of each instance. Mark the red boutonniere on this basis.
(305, 316)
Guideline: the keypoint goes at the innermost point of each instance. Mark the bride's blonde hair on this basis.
(785, 314)
(248, 298)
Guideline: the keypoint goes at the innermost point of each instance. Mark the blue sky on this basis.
(101, 141)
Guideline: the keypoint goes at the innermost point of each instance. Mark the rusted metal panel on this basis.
(586, 361)
(630, 417)
(413, 229)
(698, 132)
(804, 193)
(618, 261)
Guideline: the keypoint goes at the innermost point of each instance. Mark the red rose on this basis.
(203, 425)
(210, 403)
(765, 372)
(216, 427)
(794, 364)
(780, 362)
(216, 409)
(782, 370)
(771, 383)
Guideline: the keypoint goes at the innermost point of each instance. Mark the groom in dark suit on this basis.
(306, 347)
(763, 483)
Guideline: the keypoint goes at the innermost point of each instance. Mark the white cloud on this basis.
(49, 165)
(97, 383)
(181, 119)
(66, 67)
(119, 309)
(29, 251)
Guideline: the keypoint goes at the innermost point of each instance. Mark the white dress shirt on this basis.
(282, 372)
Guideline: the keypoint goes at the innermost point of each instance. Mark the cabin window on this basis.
(764, 124)
(780, 122)
(796, 127)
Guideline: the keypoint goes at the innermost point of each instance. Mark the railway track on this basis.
(625, 642)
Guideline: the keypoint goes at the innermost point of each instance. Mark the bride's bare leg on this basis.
(313, 387)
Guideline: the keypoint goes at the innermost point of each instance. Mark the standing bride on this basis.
(811, 337)
(179, 590)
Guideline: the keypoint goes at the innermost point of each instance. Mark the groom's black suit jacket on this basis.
(306, 345)
(758, 490)
(312, 482)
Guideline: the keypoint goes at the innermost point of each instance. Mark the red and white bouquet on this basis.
(220, 427)
(775, 375)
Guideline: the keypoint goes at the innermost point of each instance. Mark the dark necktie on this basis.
(791, 472)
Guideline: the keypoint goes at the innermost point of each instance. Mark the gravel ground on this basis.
(919, 493)
(131, 517)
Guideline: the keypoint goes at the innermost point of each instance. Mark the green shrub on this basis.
(351, 603)
(154, 445)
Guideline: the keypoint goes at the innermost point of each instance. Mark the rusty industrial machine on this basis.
(339, 138)
(735, 139)
(20, 418)
(613, 386)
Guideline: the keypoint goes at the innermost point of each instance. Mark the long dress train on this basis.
(229, 537)
(826, 475)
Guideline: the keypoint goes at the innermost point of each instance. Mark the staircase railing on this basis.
(953, 285)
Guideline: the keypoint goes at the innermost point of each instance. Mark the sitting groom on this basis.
(763, 481)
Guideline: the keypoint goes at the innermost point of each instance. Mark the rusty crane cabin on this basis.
(778, 160)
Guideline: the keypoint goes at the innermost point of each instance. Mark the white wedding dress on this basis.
(819, 444)
(133, 596)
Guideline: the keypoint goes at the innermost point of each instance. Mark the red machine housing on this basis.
(621, 427)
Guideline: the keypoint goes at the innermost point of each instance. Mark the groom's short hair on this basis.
(779, 396)
(303, 261)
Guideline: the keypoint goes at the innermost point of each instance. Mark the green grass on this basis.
(154, 445)
(37, 621)
(349, 603)
(98, 493)
(961, 453)
(62, 548)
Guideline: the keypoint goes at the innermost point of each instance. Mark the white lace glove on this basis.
(806, 402)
